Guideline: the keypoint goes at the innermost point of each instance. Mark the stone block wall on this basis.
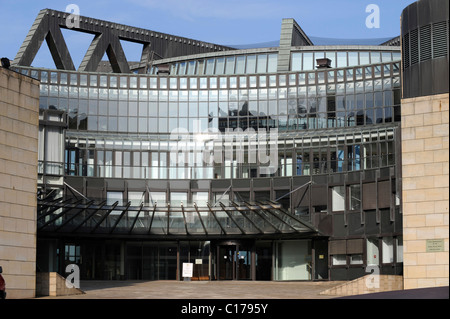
(53, 284)
(19, 128)
(425, 191)
(367, 284)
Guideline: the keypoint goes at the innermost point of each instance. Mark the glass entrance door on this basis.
(227, 262)
(234, 262)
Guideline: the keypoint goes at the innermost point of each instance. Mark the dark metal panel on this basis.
(337, 247)
(136, 185)
(339, 228)
(430, 75)
(319, 195)
(387, 226)
(424, 7)
(371, 226)
(158, 185)
(369, 196)
(220, 184)
(384, 194)
(414, 83)
(338, 274)
(355, 272)
(398, 223)
(440, 83)
(355, 246)
(324, 223)
(179, 185)
(355, 225)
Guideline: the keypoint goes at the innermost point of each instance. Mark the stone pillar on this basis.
(19, 129)
(425, 194)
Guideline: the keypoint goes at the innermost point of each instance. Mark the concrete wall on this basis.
(19, 128)
(425, 194)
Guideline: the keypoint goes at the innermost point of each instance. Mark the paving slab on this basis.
(201, 290)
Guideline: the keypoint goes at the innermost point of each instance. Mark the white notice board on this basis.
(188, 269)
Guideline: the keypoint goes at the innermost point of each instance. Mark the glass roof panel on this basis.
(267, 218)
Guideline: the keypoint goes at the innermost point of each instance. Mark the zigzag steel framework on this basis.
(107, 36)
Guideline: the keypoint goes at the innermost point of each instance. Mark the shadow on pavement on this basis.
(422, 293)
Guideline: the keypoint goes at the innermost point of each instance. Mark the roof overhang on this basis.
(87, 218)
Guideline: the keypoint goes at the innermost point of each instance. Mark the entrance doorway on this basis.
(234, 262)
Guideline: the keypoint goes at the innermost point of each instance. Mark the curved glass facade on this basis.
(130, 120)
(260, 61)
(295, 166)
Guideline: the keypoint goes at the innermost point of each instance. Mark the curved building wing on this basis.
(291, 154)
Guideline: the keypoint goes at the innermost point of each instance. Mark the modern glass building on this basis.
(276, 163)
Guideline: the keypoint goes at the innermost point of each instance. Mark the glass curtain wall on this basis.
(293, 260)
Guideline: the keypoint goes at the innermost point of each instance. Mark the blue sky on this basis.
(227, 22)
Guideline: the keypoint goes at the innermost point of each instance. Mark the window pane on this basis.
(372, 252)
(209, 69)
(240, 65)
(364, 58)
(352, 58)
(308, 63)
(356, 260)
(251, 64)
(230, 65)
(296, 62)
(136, 198)
(400, 249)
(262, 63)
(355, 197)
(339, 260)
(341, 59)
(332, 57)
(191, 68)
(178, 197)
(272, 64)
(112, 197)
(375, 57)
(388, 250)
(220, 64)
(159, 197)
(338, 198)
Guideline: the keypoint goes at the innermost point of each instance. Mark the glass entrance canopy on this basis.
(223, 219)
